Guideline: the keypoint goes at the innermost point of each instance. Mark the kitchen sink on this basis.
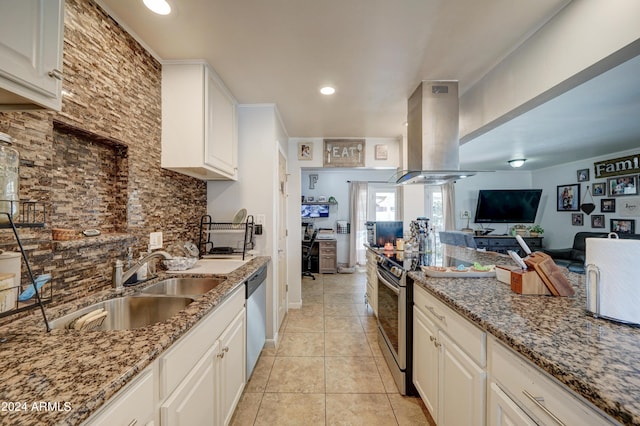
(193, 287)
(129, 312)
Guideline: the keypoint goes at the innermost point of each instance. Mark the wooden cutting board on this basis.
(550, 273)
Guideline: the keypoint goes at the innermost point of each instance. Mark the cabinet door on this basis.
(220, 148)
(372, 282)
(462, 387)
(425, 360)
(31, 39)
(194, 400)
(503, 411)
(232, 366)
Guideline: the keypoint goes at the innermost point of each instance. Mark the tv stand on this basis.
(503, 243)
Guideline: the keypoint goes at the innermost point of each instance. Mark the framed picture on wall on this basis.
(623, 226)
(583, 175)
(597, 221)
(577, 219)
(599, 188)
(622, 185)
(608, 205)
(568, 198)
(305, 151)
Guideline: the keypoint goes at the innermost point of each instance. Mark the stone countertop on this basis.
(596, 358)
(77, 371)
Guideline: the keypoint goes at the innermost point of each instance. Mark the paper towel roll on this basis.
(612, 278)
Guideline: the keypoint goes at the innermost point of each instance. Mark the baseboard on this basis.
(295, 305)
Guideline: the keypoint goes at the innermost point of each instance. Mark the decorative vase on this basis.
(533, 234)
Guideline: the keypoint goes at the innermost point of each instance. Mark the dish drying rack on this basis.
(209, 229)
(31, 214)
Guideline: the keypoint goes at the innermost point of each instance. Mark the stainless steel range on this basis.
(395, 322)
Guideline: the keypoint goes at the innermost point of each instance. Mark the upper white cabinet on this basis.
(31, 40)
(199, 123)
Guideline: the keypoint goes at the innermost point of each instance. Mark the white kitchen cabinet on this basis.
(31, 41)
(199, 122)
(534, 393)
(503, 411)
(449, 357)
(372, 281)
(204, 374)
(133, 404)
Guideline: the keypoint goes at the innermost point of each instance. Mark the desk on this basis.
(323, 257)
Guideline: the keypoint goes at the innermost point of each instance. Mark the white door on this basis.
(282, 239)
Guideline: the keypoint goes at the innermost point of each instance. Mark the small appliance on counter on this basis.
(612, 278)
(381, 232)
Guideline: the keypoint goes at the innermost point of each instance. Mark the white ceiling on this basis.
(375, 52)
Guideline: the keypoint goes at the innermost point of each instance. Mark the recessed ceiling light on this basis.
(327, 90)
(161, 7)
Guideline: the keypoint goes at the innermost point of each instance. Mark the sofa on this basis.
(573, 257)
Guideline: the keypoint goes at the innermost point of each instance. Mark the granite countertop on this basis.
(77, 371)
(596, 358)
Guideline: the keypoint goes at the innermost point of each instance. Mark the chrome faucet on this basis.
(120, 277)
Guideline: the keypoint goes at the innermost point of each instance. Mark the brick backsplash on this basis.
(114, 101)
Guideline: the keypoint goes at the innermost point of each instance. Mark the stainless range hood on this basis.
(432, 135)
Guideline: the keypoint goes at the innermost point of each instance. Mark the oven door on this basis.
(392, 315)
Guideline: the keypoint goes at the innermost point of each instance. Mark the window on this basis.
(382, 202)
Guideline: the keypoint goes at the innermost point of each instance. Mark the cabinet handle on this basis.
(538, 401)
(433, 311)
(55, 73)
(133, 422)
(220, 355)
(225, 349)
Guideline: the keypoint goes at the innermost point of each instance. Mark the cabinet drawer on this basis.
(504, 242)
(328, 251)
(533, 242)
(539, 394)
(482, 242)
(471, 339)
(176, 363)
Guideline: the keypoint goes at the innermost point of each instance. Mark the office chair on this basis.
(306, 255)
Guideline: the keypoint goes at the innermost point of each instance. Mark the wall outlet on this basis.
(260, 219)
(155, 240)
(465, 214)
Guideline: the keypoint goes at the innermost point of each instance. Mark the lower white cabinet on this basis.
(448, 363)
(520, 390)
(133, 404)
(231, 367)
(372, 281)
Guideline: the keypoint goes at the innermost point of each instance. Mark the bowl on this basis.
(180, 263)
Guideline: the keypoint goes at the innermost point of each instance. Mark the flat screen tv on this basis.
(314, 210)
(507, 205)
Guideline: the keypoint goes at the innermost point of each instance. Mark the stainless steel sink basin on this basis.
(184, 286)
(129, 312)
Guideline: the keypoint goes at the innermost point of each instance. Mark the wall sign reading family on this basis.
(617, 166)
(343, 153)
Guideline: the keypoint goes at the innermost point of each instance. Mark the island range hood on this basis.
(432, 135)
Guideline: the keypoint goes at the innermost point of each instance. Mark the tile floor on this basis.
(328, 368)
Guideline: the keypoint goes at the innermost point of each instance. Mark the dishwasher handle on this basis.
(255, 280)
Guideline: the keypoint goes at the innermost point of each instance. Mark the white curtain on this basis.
(448, 206)
(357, 218)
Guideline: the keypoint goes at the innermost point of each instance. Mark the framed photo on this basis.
(305, 151)
(568, 198)
(309, 199)
(597, 221)
(622, 185)
(608, 205)
(623, 226)
(322, 198)
(583, 175)
(577, 219)
(382, 152)
(599, 188)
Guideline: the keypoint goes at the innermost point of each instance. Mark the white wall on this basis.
(583, 40)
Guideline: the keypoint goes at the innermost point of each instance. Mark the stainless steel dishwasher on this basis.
(256, 295)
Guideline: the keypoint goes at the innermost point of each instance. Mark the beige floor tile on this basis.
(297, 374)
(362, 309)
(260, 375)
(370, 324)
(313, 298)
(410, 410)
(385, 374)
(311, 288)
(359, 409)
(352, 375)
(372, 338)
(310, 309)
(341, 310)
(294, 409)
(247, 409)
(346, 344)
(301, 344)
(305, 324)
(268, 351)
(339, 298)
(342, 325)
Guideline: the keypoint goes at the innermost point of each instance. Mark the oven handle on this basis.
(388, 284)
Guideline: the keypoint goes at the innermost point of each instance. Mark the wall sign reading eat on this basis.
(343, 153)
